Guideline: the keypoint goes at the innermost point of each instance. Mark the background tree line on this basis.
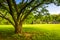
(37, 19)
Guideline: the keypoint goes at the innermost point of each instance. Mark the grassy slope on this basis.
(39, 31)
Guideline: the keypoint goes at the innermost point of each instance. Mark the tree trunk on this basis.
(18, 28)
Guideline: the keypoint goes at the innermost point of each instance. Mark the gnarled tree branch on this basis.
(15, 6)
(23, 1)
(31, 11)
(24, 8)
(11, 11)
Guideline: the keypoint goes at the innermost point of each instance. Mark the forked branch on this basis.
(24, 8)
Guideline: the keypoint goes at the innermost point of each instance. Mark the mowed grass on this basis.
(36, 32)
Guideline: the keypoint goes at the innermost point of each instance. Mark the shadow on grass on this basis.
(30, 34)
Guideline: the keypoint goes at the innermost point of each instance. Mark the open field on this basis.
(34, 32)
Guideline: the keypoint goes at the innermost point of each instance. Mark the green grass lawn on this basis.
(36, 32)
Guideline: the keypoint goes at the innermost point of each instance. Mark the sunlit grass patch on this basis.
(44, 26)
(37, 31)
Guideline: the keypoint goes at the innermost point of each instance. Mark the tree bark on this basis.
(18, 28)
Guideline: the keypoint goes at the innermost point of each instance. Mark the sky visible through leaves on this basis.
(53, 9)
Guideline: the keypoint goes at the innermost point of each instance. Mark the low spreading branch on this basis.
(3, 6)
(2, 16)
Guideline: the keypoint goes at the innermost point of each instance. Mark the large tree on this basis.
(19, 12)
